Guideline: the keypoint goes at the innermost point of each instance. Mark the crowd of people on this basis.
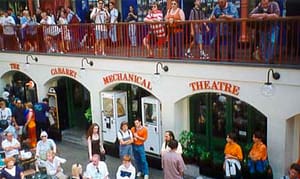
(61, 34)
(24, 130)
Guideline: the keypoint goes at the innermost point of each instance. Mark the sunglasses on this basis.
(44, 136)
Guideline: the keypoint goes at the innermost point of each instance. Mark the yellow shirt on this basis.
(234, 149)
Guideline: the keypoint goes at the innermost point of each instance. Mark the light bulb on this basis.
(268, 90)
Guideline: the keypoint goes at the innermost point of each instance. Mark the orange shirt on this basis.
(143, 132)
(233, 149)
(258, 151)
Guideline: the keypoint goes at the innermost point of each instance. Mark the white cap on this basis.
(5, 95)
(44, 133)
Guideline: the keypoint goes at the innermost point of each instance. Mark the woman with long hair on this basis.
(30, 125)
(131, 19)
(95, 145)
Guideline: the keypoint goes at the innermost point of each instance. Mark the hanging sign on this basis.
(129, 77)
(63, 71)
(215, 85)
(14, 66)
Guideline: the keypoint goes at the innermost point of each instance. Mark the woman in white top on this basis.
(169, 135)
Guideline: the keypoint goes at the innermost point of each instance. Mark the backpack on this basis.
(119, 18)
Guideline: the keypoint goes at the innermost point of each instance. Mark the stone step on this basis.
(74, 136)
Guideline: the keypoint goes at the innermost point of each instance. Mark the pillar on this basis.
(244, 14)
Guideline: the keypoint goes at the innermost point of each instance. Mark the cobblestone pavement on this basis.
(78, 154)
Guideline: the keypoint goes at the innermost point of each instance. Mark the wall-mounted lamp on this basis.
(268, 89)
(163, 67)
(32, 58)
(89, 62)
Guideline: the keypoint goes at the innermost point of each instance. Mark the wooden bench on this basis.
(29, 172)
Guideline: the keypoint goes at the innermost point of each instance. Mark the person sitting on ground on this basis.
(53, 165)
(11, 171)
(294, 172)
(126, 170)
(11, 146)
(96, 169)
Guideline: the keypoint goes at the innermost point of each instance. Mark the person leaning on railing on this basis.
(174, 17)
(156, 33)
(100, 16)
(268, 32)
(225, 31)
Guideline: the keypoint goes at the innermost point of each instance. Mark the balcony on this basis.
(243, 41)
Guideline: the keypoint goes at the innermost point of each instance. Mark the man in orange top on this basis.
(140, 134)
(233, 156)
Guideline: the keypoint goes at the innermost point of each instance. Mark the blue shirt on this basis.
(229, 9)
(40, 110)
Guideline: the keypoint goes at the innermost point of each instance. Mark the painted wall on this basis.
(172, 89)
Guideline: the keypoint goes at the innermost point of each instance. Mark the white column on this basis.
(276, 148)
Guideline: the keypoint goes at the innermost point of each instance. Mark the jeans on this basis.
(176, 44)
(140, 159)
(267, 43)
(225, 43)
(132, 34)
(113, 33)
(125, 150)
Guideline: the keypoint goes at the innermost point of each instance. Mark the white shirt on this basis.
(125, 173)
(125, 135)
(5, 114)
(97, 172)
(9, 24)
(43, 147)
(114, 15)
(52, 167)
(167, 149)
(6, 143)
(100, 18)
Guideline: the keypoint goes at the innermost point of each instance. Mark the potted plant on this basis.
(88, 116)
(187, 141)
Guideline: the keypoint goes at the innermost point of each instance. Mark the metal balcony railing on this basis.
(275, 41)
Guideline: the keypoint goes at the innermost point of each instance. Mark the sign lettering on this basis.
(15, 66)
(127, 77)
(215, 85)
(63, 71)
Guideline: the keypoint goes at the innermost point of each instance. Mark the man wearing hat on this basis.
(44, 145)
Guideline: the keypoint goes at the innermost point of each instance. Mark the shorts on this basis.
(100, 34)
(198, 38)
(159, 41)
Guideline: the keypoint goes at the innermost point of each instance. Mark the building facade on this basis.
(206, 98)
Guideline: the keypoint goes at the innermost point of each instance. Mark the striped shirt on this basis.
(158, 29)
